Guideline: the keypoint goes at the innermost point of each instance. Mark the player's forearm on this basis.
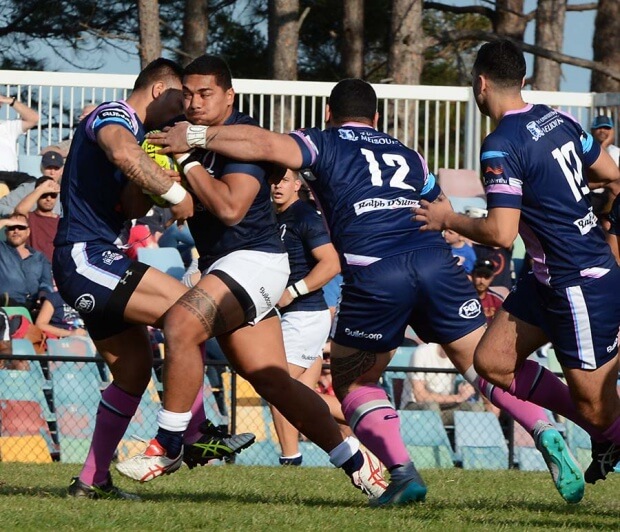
(246, 143)
(216, 196)
(481, 230)
(322, 273)
(140, 168)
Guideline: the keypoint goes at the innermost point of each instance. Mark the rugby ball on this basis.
(164, 161)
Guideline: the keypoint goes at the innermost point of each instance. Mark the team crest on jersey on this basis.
(347, 134)
(85, 303)
(535, 131)
(109, 257)
(470, 309)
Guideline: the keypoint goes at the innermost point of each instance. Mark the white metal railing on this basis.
(442, 123)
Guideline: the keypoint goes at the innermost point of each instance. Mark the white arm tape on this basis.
(182, 158)
(196, 136)
(189, 166)
(300, 288)
(175, 195)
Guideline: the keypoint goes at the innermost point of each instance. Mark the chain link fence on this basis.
(47, 413)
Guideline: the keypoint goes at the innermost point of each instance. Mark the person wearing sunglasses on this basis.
(25, 273)
(39, 208)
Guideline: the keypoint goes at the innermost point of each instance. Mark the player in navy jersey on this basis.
(539, 166)
(304, 315)
(245, 271)
(115, 296)
(394, 275)
(613, 233)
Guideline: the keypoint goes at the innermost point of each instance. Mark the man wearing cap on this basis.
(52, 164)
(482, 276)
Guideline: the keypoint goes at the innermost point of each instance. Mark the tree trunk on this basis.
(509, 19)
(405, 62)
(550, 16)
(353, 39)
(283, 38)
(606, 44)
(283, 35)
(195, 30)
(150, 40)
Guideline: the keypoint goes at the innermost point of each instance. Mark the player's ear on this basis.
(328, 114)
(157, 89)
(230, 96)
(375, 120)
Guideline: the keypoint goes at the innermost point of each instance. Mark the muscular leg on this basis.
(257, 354)
(500, 358)
(129, 357)
(288, 435)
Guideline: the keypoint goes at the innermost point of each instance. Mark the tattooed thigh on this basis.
(204, 307)
(346, 370)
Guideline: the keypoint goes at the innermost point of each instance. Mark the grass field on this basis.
(234, 498)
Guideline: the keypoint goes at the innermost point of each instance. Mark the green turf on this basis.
(234, 498)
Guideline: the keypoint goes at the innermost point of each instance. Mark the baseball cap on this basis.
(602, 121)
(52, 158)
(484, 266)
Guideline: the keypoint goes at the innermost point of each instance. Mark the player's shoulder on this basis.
(240, 118)
(114, 112)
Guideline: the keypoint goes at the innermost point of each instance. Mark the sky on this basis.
(578, 34)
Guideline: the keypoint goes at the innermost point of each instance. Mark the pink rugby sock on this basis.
(114, 413)
(536, 384)
(192, 433)
(375, 422)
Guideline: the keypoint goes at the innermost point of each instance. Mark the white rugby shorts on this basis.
(262, 275)
(305, 334)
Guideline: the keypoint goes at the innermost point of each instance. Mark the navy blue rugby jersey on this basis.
(257, 231)
(91, 185)
(302, 229)
(535, 161)
(366, 183)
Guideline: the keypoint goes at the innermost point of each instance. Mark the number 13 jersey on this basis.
(536, 161)
(366, 183)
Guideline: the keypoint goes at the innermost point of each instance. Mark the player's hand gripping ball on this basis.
(164, 161)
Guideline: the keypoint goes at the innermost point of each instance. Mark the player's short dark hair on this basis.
(353, 99)
(158, 70)
(502, 62)
(211, 65)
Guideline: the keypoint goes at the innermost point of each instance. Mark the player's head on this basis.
(285, 191)
(159, 84)
(500, 68)
(207, 90)
(352, 100)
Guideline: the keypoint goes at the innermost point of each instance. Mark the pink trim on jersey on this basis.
(535, 250)
(313, 149)
(526, 109)
(504, 189)
(424, 165)
(595, 272)
(355, 124)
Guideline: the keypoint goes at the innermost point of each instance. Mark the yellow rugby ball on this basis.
(162, 160)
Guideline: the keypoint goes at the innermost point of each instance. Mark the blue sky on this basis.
(578, 35)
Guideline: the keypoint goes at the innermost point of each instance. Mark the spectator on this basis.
(43, 220)
(25, 273)
(461, 249)
(63, 146)
(5, 345)
(57, 319)
(10, 131)
(437, 391)
(602, 129)
(501, 259)
(52, 165)
(482, 277)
